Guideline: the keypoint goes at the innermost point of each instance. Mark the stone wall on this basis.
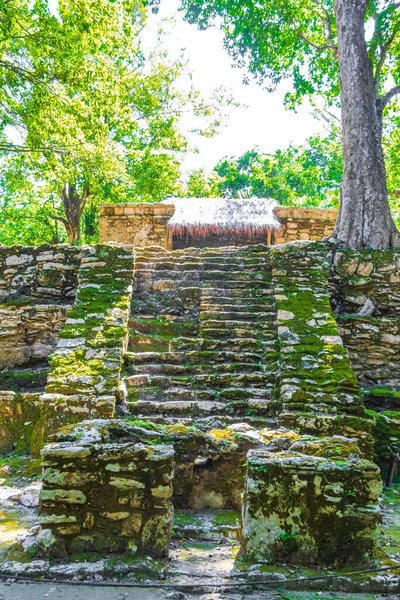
(137, 224)
(319, 389)
(37, 286)
(374, 348)
(318, 502)
(147, 225)
(44, 274)
(86, 340)
(29, 333)
(365, 294)
(366, 275)
(303, 223)
(312, 510)
(101, 494)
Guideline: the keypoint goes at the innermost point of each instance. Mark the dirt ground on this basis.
(39, 591)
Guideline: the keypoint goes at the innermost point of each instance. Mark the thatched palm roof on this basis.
(222, 215)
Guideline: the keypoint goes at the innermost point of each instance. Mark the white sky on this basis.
(262, 120)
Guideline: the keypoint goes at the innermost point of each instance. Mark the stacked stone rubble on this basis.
(37, 289)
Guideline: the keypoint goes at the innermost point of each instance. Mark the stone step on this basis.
(169, 275)
(216, 270)
(243, 332)
(193, 358)
(201, 408)
(206, 525)
(206, 423)
(240, 344)
(185, 382)
(241, 314)
(222, 275)
(195, 369)
(238, 307)
(251, 326)
(224, 396)
(202, 262)
(236, 296)
(235, 284)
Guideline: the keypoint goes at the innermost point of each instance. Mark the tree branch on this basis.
(315, 46)
(384, 100)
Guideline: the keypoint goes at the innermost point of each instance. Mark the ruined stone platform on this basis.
(218, 356)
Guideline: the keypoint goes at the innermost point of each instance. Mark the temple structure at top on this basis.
(178, 223)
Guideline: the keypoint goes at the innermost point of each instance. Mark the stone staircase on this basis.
(213, 328)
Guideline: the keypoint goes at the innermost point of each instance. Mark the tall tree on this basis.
(322, 46)
(88, 112)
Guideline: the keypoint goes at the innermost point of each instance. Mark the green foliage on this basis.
(308, 175)
(86, 115)
(202, 185)
(297, 40)
(305, 175)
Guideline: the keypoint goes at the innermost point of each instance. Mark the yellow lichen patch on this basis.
(9, 531)
(269, 435)
(221, 434)
(177, 428)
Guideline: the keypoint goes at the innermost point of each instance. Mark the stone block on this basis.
(309, 510)
(121, 496)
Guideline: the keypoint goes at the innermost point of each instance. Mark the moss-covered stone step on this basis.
(201, 408)
(217, 307)
(169, 275)
(163, 325)
(241, 314)
(196, 369)
(231, 296)
(239, 344)
(195, 357)
(236, 284)
(205, 423)
(229, 395)
(221, 276)
(243, 330)
(202, 266)
(215, 379)
(251, 326)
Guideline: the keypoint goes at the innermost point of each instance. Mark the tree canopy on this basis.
(87, 115)
(297, 40)
(346, 51)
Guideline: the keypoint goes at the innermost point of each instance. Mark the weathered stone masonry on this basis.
(224, 353)
(87, 346)
(147, 225)
(37, 290)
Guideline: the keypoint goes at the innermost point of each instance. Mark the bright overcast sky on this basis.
(262, 120)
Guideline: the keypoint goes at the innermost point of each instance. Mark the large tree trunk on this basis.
(73, 203)
(364, 219)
